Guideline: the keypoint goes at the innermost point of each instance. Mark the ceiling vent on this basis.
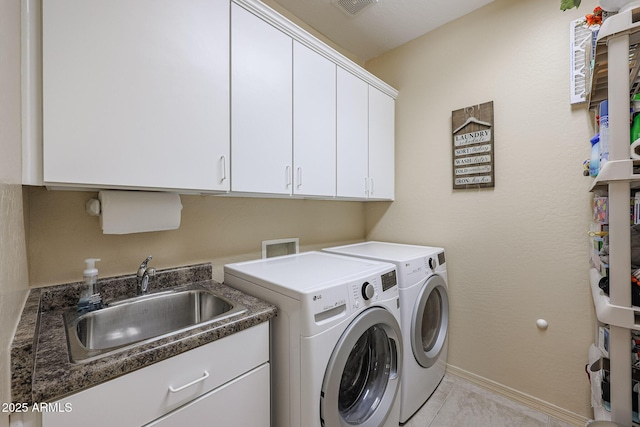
(353, 7)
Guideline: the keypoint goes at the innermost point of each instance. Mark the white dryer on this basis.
(424, 313)
(336, 344)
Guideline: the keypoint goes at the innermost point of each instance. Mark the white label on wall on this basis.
(473, 150)
(472, 160)
(473, 180)
(473, 169)
(472, 138)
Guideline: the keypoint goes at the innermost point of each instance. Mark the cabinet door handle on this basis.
(299, 177)
(366, 186)
(371, 188)
(194, 382)
(288, 172)
(223, 159)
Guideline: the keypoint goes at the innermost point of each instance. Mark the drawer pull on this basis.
(175, 390)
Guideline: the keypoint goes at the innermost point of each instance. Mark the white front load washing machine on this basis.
(424, 314)
(336, 344)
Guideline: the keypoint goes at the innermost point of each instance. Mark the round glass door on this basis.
(362, 378)
(430, 321)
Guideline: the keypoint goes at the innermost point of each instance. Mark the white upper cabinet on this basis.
(381, 145)
(136, 94)
(352, 136)
(261, 105)
(314, 123)
(198, 96)
(365, 146)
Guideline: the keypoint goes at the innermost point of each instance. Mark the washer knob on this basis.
(368, 291)
(432, 264)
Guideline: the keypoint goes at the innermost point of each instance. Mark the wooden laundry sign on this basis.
(473, 160)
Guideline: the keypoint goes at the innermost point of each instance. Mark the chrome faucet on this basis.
(143, 275)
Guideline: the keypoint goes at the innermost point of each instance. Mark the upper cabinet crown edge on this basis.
(283, 24)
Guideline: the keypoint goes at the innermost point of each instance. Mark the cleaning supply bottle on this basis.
(594, 162)
(604, 133)
(634, 149)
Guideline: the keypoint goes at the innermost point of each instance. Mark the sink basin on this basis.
(127, 323)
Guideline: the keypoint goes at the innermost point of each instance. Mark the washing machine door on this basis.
(363, 375)
(430, 321)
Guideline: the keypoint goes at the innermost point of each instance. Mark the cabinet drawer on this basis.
(145, 395)
(227, 405)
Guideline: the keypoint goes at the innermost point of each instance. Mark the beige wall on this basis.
(216, 229)
(284, 12)
(518, 252)
(13, 261)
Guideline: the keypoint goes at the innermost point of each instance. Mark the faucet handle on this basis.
(146, 261)
(143, 267)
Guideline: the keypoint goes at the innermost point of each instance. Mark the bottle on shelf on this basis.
(604, 133)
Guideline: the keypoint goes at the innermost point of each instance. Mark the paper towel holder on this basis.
(93, 207)
(127, 212)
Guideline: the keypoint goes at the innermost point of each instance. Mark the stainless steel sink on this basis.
(127, 323)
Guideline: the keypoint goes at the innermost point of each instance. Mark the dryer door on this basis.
(430, 321)
(363, 375)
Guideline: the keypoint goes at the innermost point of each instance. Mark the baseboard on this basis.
(513, 394)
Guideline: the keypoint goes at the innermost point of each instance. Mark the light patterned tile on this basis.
(430, 409)
(554, 422)
(468, 405)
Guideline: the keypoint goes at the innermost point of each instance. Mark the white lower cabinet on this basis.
(241, 402)
(207, 386)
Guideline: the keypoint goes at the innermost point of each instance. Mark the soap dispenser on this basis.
(90, 275)
(89, 298)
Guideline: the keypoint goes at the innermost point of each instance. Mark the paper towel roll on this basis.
(125, 212)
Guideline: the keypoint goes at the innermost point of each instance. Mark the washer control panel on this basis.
(364, 292)
(368, 291)
(389, 280)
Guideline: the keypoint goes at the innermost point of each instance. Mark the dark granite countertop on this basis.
(40, 366)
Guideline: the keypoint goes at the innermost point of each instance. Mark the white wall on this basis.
(518, 252)
(13, 260)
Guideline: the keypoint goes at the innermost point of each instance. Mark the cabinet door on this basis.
(261, 105)
(142, 396)
(352, 138)
(136, 94)
(314, 123)
(241, 402)
(381, 145)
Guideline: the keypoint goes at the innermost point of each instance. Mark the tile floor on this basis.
(459, 403)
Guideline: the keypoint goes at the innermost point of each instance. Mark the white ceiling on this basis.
(383, 25)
